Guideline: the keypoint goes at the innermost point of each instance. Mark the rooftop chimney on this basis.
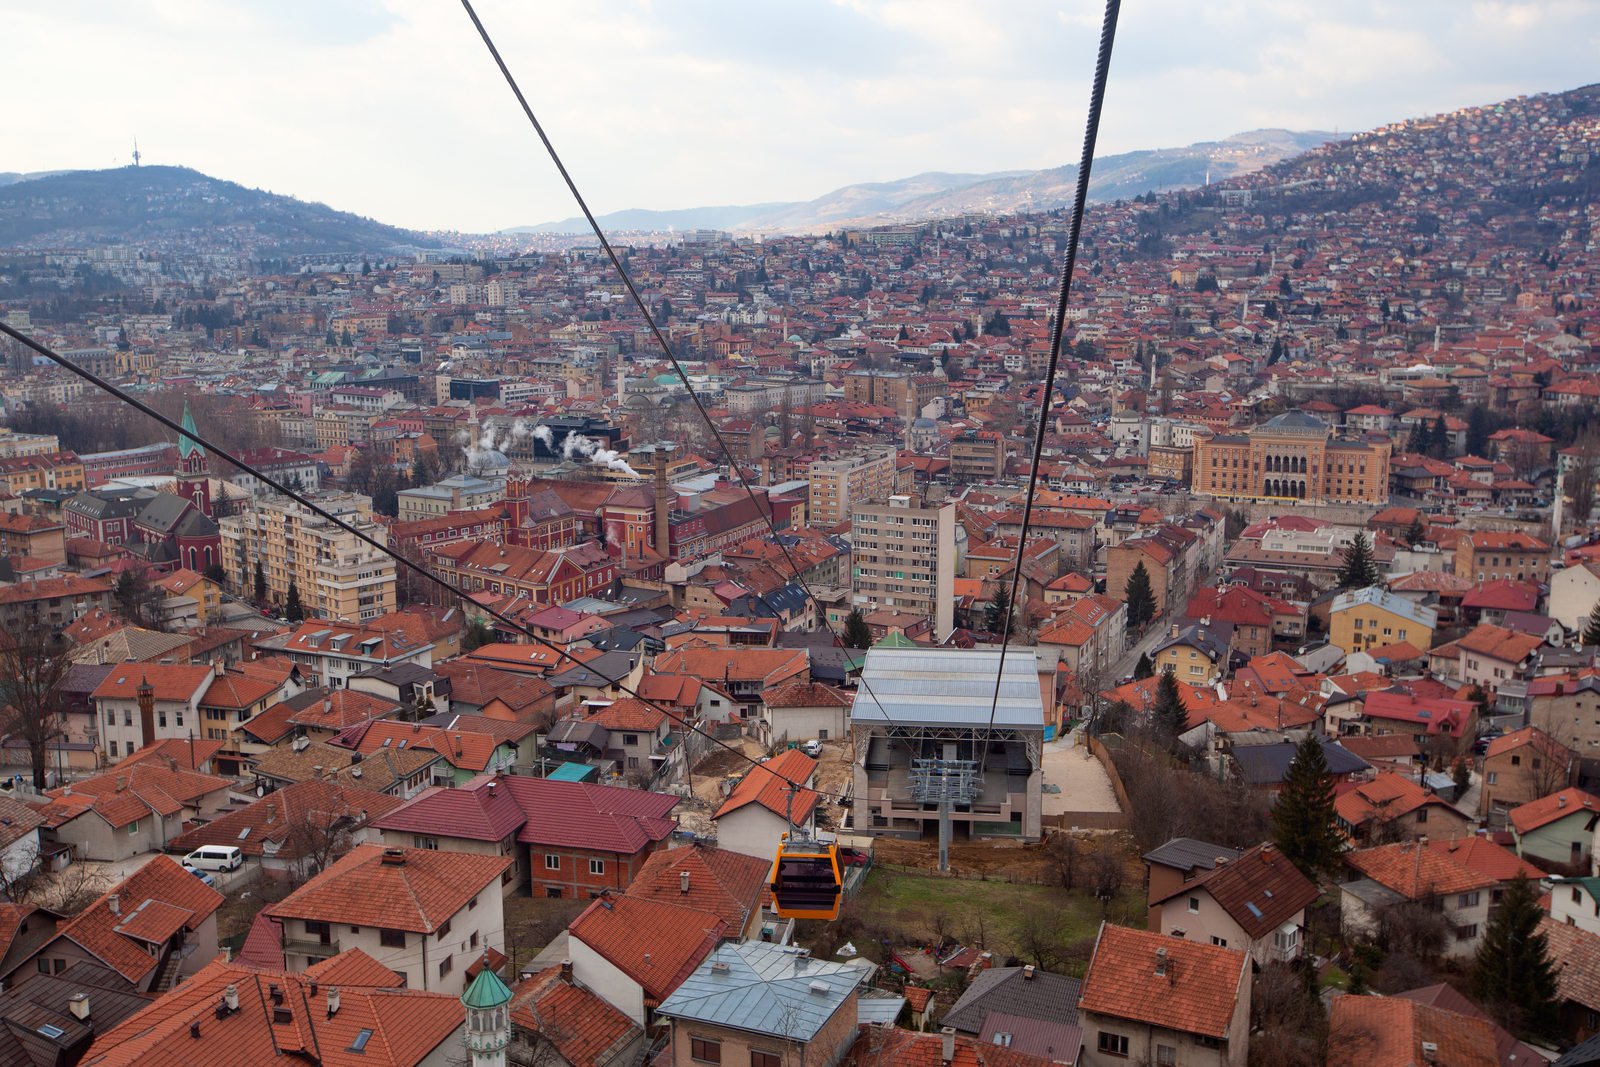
(114, 902)
(948, 1051)
(1027, 973)
(333, 1001)
(78, 1005)
(1161, 961)
(231, 997)
(394, 857)
(683, 881)
(275, 992)
(566, 971)
(122, 782)
(1561, 801)
(1222, 861)
(1454, 843)
(1430, 1052)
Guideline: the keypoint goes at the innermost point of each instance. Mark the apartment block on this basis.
(904, 557)
(338, 576)
(837, 485)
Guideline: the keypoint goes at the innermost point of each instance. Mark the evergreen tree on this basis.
(1168, 712)
(1139, 597)
(999, 609)
(260, 583)
(1439, 446)
(1303, 824)
(1591, 633)
(1144, 669)
(1417, 441)
(291, 608)
(215, 573)
(1477, 431)
(1416, 531)
(1358, 571)
(419, 472)
(857, 634)
(1512, 971)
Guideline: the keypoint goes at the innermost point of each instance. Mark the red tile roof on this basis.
(657, 945)
(188, 752)
(418, 895)
(1416, 871)
(294, 819)
(1487, 858)
(1386, 796)
(628, 713)
(405, 1025)
(581, 1026)
(1197, 995)
(606, 818)
(1390, 1032)
(1526, 818)
(1260, 890)
(146, 788)
(726, 884)
(768, 785)
(170, 682)
(110, 930)
(1576, 954)
(888, 1047)
(480, 810)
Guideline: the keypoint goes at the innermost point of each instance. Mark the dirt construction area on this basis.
(1081, 778)
(833, 776)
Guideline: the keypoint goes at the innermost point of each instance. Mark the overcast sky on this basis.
(393, 108)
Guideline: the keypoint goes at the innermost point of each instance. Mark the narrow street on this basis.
(1158, 628)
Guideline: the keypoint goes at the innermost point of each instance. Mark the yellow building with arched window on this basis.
(1292, 456)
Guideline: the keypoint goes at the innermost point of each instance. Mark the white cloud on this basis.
(393, 109)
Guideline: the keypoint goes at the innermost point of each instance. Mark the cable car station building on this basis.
(923, 738)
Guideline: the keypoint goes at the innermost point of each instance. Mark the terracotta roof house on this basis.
(1509, 1052)
(801, 711)
(176, 690)
(1392, 804)
(1165, 999)
(350, 1011)
(879, 1047)
(756, 815)
(428, 914)
(1576, 953)
(472, 685)
(1255, 902)
(298, 828)
(726, 884)
(635, 951)
(1410, 871)
(1522, 766)
(114, 816)
(321, 713)
(560, 1016)
(156, 925)
(1558, 828)
(1401, 1032)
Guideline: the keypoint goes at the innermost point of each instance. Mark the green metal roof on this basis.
(187, 444)
(897, 640)
(573, 772)
(486, 992)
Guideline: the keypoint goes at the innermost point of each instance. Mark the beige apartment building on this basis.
(14, 445)
(338, 576)
(903, 557)
(837, 485)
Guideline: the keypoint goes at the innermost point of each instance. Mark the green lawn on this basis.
(908, 907)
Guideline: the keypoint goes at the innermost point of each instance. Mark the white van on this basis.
(215, 858)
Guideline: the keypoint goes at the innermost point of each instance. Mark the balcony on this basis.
(317, 950)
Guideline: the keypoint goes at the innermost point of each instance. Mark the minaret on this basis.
(488, 1027)
(192, 475)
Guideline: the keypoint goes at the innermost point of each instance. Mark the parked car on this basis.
(205, 876)
(812, 748)
(215, 858)
(1481, 746)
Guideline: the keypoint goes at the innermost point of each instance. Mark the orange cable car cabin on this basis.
(805, 880)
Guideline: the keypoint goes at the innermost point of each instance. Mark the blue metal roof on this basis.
(573, 772)
(764, 988)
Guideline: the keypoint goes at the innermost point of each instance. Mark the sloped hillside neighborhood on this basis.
(847, 690)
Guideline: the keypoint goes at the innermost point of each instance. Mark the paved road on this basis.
(1158, 628)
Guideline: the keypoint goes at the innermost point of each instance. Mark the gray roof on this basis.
(878, 1006)
(948, 686)
(1267, 764)
(1296, 421)
(1198, 637)
(1372, 893)
(606, 667)
(1046, 997)
(1187, 854)
(1043, 1038)
(766, 989)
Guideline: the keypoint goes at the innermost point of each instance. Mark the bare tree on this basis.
(1108, 873)
(1287, 1022)
(1579, 481)
(1065, 855)
(33, 671)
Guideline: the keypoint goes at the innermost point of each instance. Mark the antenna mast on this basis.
(136, 151)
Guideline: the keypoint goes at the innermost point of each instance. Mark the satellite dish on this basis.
(261, 790)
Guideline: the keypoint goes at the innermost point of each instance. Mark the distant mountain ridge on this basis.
(937, 193)
(126, 202)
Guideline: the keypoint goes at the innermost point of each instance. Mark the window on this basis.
(43, 965)
(1113, 1044)
(705, 1050)
(1220, 942)
(630, 739)
(425, 842)
(1285, 940)
(360, 1043)
(1467, 933)
(1494, 778)
(552, 863)
(1422, 814)
(1516, 761)
(133, 827)
(472, 942)
(1467, 900)
(319, 930)
(765, 1059)
(392, 938)
(597, 866)
(1207, 1041)
(553, 892)
(444, 966)
(822, 735)
(444, 929)
(1166, 1054)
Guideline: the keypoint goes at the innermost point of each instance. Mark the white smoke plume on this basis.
(577, 445)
